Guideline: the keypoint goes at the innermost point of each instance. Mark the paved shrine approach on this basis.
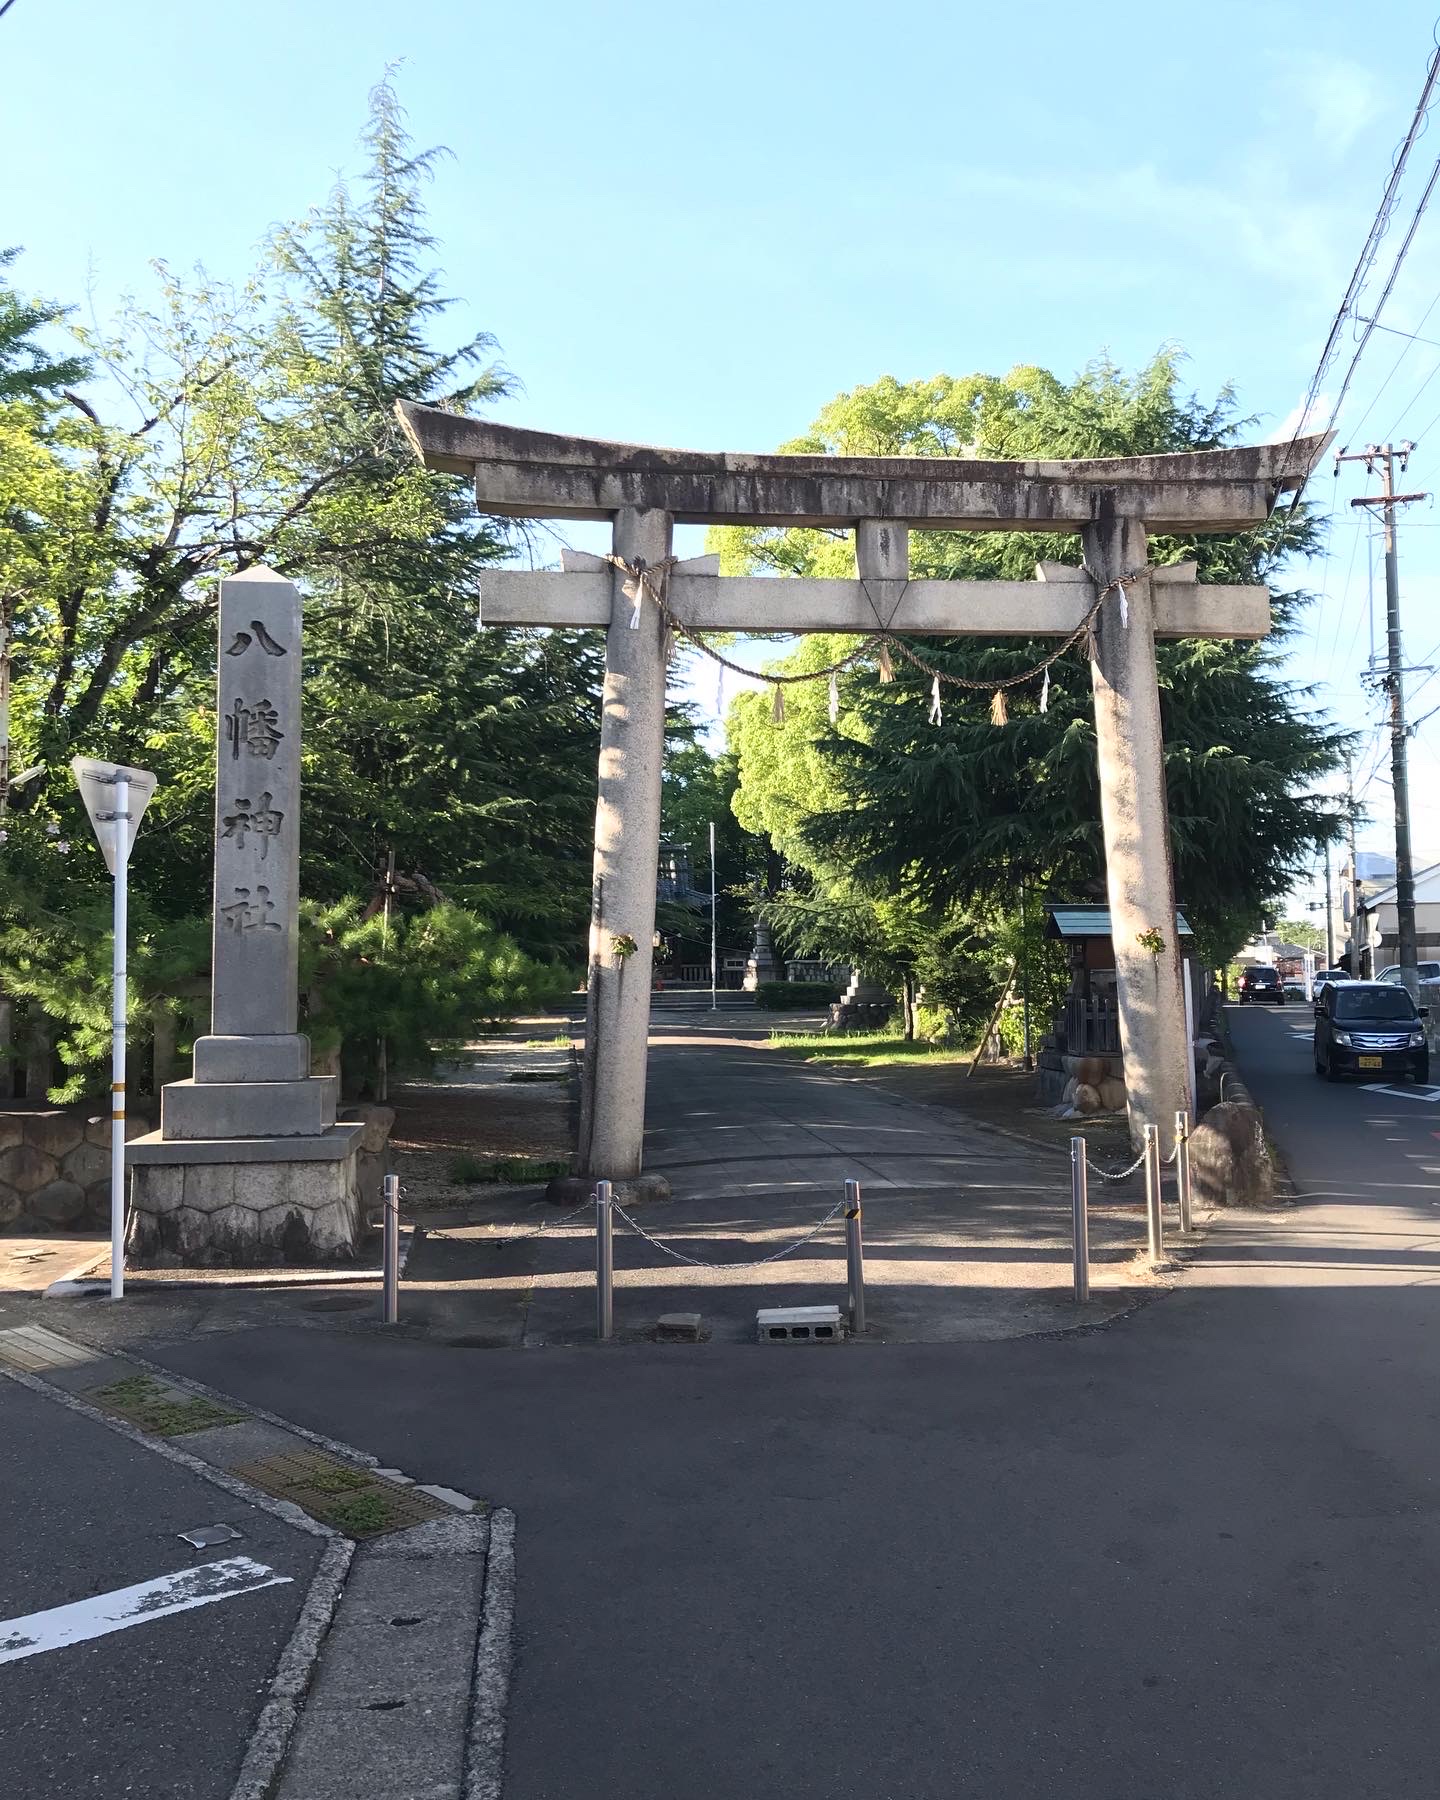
(1117, 599)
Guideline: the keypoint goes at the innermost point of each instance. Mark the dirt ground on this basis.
(510, 1097)
(1002, 1096)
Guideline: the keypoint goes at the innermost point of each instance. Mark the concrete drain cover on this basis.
(162, 1410)
(356, 1501)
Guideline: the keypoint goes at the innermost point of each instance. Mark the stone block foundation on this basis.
(245, 1203)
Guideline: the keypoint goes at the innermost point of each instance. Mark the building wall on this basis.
(1381, 942)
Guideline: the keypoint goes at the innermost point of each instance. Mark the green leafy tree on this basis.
(254, 424)
(426, 982)
(958, 813)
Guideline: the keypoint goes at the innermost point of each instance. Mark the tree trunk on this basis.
(908, 1004)
(7, 1064)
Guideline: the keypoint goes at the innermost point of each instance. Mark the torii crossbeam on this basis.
(1114, 504)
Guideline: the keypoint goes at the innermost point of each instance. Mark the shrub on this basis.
(796, 996)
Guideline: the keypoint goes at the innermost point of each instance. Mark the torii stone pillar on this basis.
(1139, 874)
(627, 843)
(1111, 502)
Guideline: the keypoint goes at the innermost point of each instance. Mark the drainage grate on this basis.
(165, 1411)
(356, 1501)
(799, 1325)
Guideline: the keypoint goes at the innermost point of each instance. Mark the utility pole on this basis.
(1329, 915)
(1354, 869)
(1383, 457)
(382, 1057)
(714, 929)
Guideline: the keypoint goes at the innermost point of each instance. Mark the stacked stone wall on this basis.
(55, 1166)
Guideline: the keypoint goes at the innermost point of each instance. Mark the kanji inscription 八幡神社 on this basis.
(249, 1165)
(1113, 504)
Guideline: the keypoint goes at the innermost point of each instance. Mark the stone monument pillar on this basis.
(249, 1165)
(762, 965)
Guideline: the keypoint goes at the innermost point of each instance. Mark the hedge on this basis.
(795, 996)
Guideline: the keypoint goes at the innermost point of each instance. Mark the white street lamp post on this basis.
(115, 798)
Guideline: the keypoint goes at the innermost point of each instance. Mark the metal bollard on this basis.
(1080, 1218)
(1182, 1168)
(604, 1263)
(390, 1254)
(1152, 1194)
(854, 1258)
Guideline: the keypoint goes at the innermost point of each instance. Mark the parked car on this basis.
(1429, 971)
(1261, 982)
(1370, 1028)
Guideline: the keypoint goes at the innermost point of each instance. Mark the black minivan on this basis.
(1370, 1028)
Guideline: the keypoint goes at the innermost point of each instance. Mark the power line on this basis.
(1385, 294)
(1378, 227)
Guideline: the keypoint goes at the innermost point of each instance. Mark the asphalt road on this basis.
(1345, 1141)
(1191, 1555)
(160, 1709)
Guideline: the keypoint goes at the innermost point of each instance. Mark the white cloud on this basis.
(1302, 419)
(1337, 98)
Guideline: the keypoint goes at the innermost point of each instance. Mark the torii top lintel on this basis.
(540, 474)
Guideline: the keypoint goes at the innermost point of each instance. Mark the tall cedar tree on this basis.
(261, 430)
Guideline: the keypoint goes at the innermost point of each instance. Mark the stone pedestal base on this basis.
(245, 1202)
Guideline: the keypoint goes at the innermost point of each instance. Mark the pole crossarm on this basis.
(1053, 605)
(541, 474)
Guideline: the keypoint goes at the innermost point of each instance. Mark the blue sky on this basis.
(695, 226)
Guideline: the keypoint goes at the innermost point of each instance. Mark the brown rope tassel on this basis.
(777, 706)
(887, 668)
(999, 712)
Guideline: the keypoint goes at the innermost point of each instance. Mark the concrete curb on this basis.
(284, 1510)
(273, 1733)
(334, 1445)
(494, 1658)
(82, 1285)
(270, 1739)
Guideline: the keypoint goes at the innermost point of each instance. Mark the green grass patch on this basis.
(867, 1049)
(363, 1515)
(470, 1169)
(561, 1041)
(146, 1403)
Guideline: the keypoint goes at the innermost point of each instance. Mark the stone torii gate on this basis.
(1114, 504)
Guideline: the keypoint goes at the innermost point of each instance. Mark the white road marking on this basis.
(1432, 1094)
(117, 1611)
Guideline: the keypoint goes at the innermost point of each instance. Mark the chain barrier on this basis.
(697, 1262)
(1116, 1174)
(524, 1237)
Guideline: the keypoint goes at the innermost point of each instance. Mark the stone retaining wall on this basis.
(55, 1166)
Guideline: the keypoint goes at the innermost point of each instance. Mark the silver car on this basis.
(1429, 971)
